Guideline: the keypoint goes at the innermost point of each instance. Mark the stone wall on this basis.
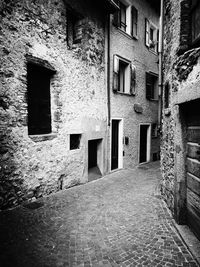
(34, 167)
(181, 70)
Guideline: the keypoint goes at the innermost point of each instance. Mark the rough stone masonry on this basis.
(36, 31)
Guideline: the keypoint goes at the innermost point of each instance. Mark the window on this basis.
(123, 76)
(154, 130)
(39, 109)
(151, 36)
(75, 141)
(195, 20)
(126, 18)
(74, 27)
(151, 86)
(166, 92)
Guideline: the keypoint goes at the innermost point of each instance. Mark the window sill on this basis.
(152, 100)
(126, 94)
(43, 137)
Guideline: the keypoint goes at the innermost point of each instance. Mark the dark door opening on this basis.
(94, 155)
(143, 143)
(115, 144)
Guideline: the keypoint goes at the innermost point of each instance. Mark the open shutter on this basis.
(147, 29)
(157, 48)
(115, 73)
(148, 85)
(133, 80)
(116, 18)
(134, 19)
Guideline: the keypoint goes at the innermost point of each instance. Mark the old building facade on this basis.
(134, 83)
(181, 116)
(53, 96)
(79, 93)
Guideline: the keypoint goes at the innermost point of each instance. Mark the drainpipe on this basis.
(161, 65)
(108, 68)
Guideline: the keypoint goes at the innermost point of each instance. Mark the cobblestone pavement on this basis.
(119, 220)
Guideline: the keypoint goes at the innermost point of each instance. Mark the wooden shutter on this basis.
(148, 86)
(157, 42)
(134, 19)
(133, 79)
(116, 18)
(147, 28)
(115, 73)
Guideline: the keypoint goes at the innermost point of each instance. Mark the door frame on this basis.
(120, 143)
(148, 153)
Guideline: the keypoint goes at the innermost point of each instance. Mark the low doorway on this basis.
(95, 159)
(144, 152)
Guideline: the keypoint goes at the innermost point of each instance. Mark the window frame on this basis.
(196, 41)
(149, 95)
(151, 26)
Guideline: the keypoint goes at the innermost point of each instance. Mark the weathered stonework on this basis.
(32, 167)
(181, 68)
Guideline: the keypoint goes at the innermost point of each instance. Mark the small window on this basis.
(123, 76)
(74, 27)
(154, 130)
(195, 18)
(151, 86)
(39, 109)
(75, 141)
(151, 36)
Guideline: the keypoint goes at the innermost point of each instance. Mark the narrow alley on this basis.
(118, 220)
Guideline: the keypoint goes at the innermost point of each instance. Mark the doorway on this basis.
(116, 144)
(95, 160)
(144, 153)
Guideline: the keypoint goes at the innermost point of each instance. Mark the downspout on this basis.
(161, 65)
(108, 68)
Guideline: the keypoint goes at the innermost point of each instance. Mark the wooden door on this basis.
(115, 144)
(193, 179)
(192, 118)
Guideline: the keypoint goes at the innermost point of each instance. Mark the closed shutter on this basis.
(148, 86)
(134, 15)
(147, 29)
(133, 80)
(115, 73)
(77, 31)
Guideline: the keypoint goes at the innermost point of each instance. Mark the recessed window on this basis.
(39, 109)
(151, 86)
(74, 27)
(195, 18)
(154, 130)
(124, 76)
(75, 141)
(151, 36)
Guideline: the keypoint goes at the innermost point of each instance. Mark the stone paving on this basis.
(118, 220)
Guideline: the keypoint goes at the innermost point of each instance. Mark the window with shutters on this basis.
(126, 18)
(151, 36)
(151, 86)
(123, 76)
(74, 27)
(39, 108)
